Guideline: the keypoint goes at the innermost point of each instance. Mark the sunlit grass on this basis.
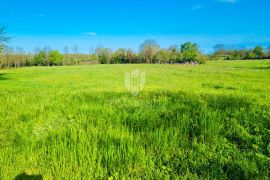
(202, 121)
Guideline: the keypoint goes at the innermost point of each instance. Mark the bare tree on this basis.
(65, 50)
(76, 51)
(37, 50)
(47, 50)
(130, 55)
(8, 54)
(19, 56)
(3, 38)
(148, 50)
(3, 35)
(91, 50)
(219, 47)
(104, 54)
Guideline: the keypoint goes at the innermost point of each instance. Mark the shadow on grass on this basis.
(24, 176)
(262, 67)
(2, 76)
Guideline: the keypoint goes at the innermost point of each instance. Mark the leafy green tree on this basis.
(175, 54)
(148, 50)
(258, 51)
(251, 55)
(220, 52)
(120, 56)
(55, 58)
(201, 59)
(40, 58)
(104, 55)
(162, 56)
(190, 51)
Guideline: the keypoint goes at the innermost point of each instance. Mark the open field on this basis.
(190, 121)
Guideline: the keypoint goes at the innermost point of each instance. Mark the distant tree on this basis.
(47, 50)
(162, 56)
(242, 54)
(3, 38)
(219, 48)
(120, 56)
(37, 50)
(251, 54)
(173, 48)
(175, 54)
(65, 54)
(190, 51)
(104, 55)
(131, 56)
(55, 58)
(40, 59)
(19, 53)
(91, 50)
(8, 51)
(148, 50)
(258, 51)
(66, 50)
(75, 52)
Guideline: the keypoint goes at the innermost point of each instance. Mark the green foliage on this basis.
(52, 58)
(190, 122)
(221, 53)
(258, 51)
(40, 59)
(175, 55)
(124, 56)
(55, 58)
(251, 55)
(104, 55)
(201, 59)
(149, 52)
(162, 56)
(190, 51)
(120, 56)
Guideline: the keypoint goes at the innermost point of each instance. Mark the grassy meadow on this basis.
(208, 121)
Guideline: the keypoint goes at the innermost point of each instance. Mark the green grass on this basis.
(194, 122)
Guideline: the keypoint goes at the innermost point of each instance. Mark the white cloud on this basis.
(228, 1)
(89, 33)
(197, 7)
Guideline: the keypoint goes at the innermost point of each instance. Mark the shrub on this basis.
(55, 58)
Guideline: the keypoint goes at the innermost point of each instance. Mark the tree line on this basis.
(149, 52)
(222, 52)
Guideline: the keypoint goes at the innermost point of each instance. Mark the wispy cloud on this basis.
(197, 7)
(228, 1)
(89, 33)
(41, 15)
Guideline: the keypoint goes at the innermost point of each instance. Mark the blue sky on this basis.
(126, 23)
